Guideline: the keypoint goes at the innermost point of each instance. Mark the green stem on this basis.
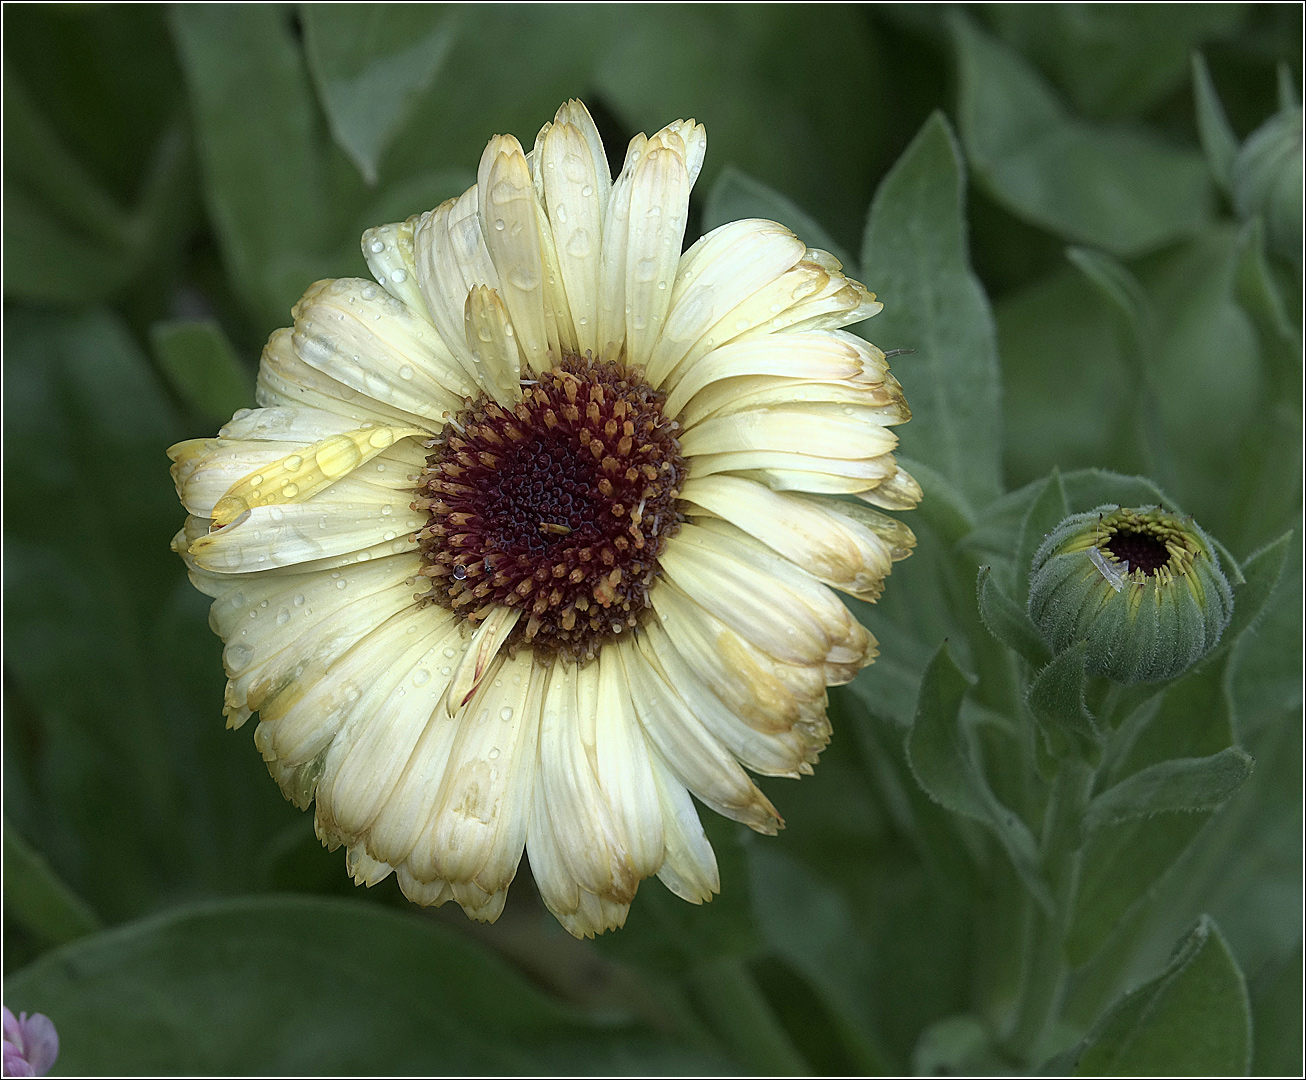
(736, 1009)
(1044, 967)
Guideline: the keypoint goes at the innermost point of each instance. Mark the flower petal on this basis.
(842, 544)
(366, 339)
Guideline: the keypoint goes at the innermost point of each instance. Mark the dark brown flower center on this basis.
(1141, 550)
(559, 506)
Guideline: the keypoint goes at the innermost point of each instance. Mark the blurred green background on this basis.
(1084, 246)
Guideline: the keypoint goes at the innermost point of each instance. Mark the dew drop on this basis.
(337, 456)
(399, 276)
(289, 490)
(421, 677)
(294, 462)
(377, 247)
(283, 616)
(505, 713)
(299, 600)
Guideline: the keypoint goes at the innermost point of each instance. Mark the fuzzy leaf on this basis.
(1191, 1020)
(1056, 698)
(1008, 621)
(915, 258)
(370, 63)
(37, 898)
(945, 762)
(1185, 784)
(1114, 188)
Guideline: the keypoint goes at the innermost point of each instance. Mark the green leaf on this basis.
(1114, 188)
(809, 925)
(1261, 573)
(38, 899)
(299, 985)
(370, 63)
(943, 506)
(1218, 140)
(1123, 863)
(914, 256)
(1277, 1018)
(264, 171)
(736, 195)
(945, 761)
(1056, 700)
(1192, 1020)
(1009, 622)
(1113, 60)
(1045, 513)
(1185, 784)
(203, 367)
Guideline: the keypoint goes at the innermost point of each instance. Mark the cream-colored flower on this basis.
(531, 538)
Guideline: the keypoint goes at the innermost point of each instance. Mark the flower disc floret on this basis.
(558, 507)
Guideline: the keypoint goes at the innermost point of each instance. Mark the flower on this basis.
(30, 1044)
(1142, 587)
(533, 540)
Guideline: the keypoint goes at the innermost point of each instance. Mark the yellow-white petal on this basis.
(719, 272)
(845, 545)
(696, 757)
(351, 515)
(510, 226)
(361, 336)
(389, 252)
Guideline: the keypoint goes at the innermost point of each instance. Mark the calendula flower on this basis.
(30, 1044)
(532, 537)
(1142, 587)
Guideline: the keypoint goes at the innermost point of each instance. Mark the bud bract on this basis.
(1142, 587)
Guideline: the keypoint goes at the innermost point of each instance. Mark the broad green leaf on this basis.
(370, 62)
(945, 762)
(1056, 700)
(1113, 60)
(1115, 188)
(943, 506)
(1184, 784)
(1277, 1018)
(300, 985)
(914, 256)
(736, 195)
(37, 898)
(1009, 622)
(1261, 573)
(1060, 342)
(1218, 140)
(1123, 863)
(262, 153)
(1192, 1020)
(809, 925)
(1267, 660)
(1045, 513)
(203, 367)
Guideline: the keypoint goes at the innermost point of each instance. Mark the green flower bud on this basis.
(1267, 180)
(1143, 587)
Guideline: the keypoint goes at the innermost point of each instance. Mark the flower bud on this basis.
(1267, 180)
(1142, 587)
